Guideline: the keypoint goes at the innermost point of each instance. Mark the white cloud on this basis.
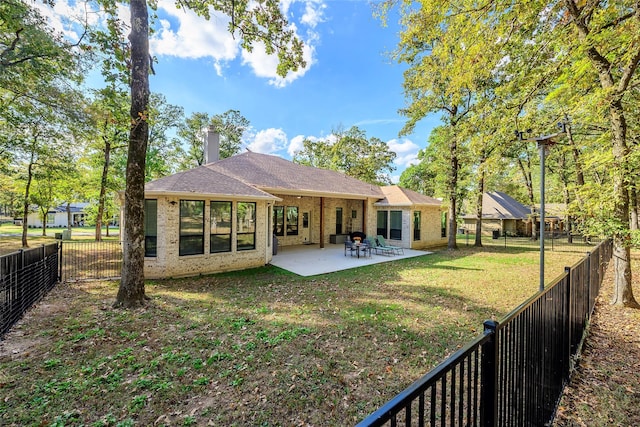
(69, 17)
(266, 66)
(406, 152)
(313, 13)
(186, 35)
(268, 141)
(182, 33)
(295, 145)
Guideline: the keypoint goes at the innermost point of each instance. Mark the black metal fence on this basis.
(513, 374)
(90, 260)
(26, 277)
(552, 242)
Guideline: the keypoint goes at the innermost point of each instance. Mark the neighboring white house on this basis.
(58, 216)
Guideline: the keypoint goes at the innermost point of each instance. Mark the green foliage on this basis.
(230, 126)
(352, 153)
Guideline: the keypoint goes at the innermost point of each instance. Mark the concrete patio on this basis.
(310, 260)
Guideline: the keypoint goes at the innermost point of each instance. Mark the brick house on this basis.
(501, 213)
(227, 214)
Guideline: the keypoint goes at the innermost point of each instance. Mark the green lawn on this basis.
(259, 347)
(10, 236)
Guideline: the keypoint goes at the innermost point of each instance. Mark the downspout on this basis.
(321, 222)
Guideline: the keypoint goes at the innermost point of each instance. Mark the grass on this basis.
(10, 236)
(257, 347)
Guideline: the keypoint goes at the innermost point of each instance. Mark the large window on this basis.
(292, 221)
(416, 225)
(443, 224)
(150, 227)
(220, 227)
(51, 218)
(278, 220)
(191, 227)
(338, 220)
(382, 223)
(395, 231)
(246, 226)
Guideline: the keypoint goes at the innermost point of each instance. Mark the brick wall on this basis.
(169, 263)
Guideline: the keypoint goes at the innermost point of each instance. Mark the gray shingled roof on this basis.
(203, 181)
(277, 175)
(498, 205)
(398, 196)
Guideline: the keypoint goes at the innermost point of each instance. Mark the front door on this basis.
(306, 227)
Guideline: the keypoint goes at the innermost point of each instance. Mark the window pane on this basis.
(220, 243)
(292, 221)
(278, 220)
(220, 238)
(150, 227)
(338, 220)
(395, 231)
(443, 224)
(191, 245)
(416, 225)
(382, 224)
(246, 241)
(191, 227)
(220, 217)
(246, 226)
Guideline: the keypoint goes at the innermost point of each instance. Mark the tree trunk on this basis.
(634, 208)
(25, 206)
(131, 292)
(529, 182)
(69, 220)
(479, 194)
(453, 194)
(44, 220)
(623, 292)
(103, 190)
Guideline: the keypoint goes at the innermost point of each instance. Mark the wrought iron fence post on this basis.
(60, 261)
(568, 325)
(588, 283)
(489, 376)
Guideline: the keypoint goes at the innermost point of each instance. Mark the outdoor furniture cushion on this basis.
(396, 249)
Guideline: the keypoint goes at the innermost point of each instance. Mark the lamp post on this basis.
(543, 142)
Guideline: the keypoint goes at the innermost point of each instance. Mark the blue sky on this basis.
(349, 79)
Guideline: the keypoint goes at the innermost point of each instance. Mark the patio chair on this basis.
(396, 249)
(349, 246)
(379, 249)
(366, 248)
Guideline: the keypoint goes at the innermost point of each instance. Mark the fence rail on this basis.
(513, 374)
(26, 277)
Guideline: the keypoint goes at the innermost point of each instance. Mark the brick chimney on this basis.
(211, 146)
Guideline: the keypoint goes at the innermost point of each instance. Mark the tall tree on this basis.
(350, 152)
(230, 125)
(526, 46)
(107, 136)
(254, 23)
(164, 152)
(607, 39)
(192, 133)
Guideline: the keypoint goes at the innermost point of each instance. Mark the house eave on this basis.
(193, 194)
(311, 193)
